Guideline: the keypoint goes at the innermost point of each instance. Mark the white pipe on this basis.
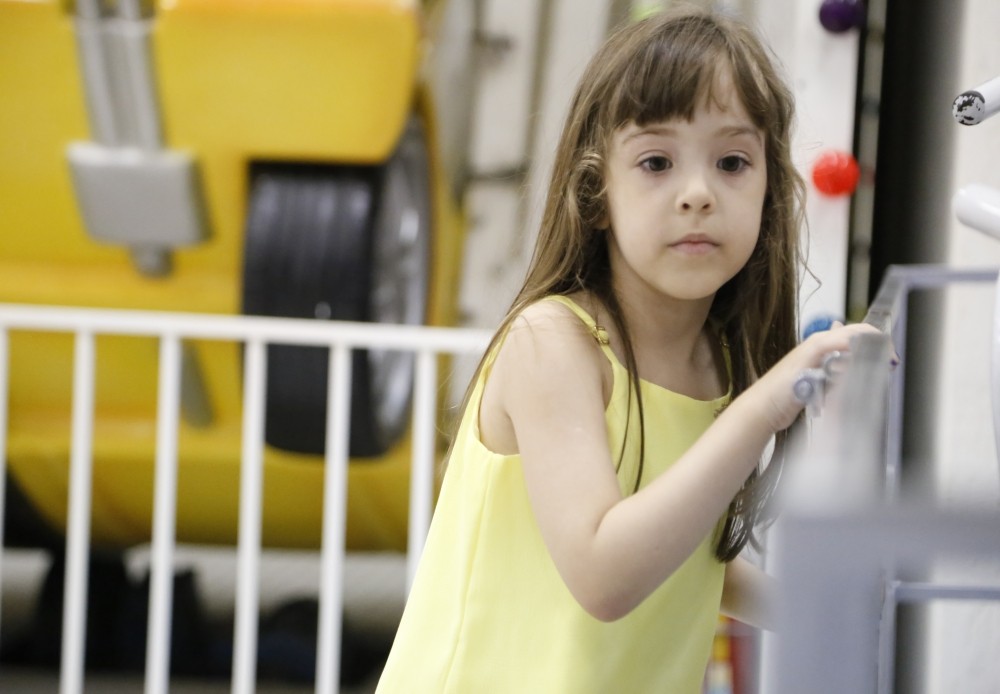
(331, 589)
(164, 509)
(978, 206)
(995, 369)
(976, 105)
(78, 520)
(248, 547)
(422, 459)
(298, 331)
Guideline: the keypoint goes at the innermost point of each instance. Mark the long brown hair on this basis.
(657, 69)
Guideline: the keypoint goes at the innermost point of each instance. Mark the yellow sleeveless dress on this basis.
(488, 612)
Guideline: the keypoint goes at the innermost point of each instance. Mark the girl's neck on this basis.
(671, 346)
(656, 322)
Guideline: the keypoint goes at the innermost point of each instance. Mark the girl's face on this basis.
(685, 200)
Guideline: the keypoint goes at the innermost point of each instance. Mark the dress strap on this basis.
(598, 332)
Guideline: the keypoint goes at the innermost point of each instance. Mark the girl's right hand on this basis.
(775, 389)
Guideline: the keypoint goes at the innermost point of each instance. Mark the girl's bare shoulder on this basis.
(549, 356)
(548, 342)
(549, 326)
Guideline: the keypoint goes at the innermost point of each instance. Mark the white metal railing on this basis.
(255, 333)
(847, 533)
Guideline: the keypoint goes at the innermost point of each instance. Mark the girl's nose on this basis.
(696, 194)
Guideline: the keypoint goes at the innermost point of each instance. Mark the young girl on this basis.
(607, 472)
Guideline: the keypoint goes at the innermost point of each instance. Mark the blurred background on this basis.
(385, 161)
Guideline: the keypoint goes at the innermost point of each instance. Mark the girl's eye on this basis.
(733, 163)
(656, 163)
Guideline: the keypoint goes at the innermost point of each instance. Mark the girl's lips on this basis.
(695, 245)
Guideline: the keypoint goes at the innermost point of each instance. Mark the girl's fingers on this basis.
(855, 328)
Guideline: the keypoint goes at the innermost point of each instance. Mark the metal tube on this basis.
(887, 640)
(995, 370)
(78, 520)
(837, 554)
(894, 415)
(831, 569)
(295, 331)
(164, 517)
(976, 105)
(888, 312)
(922, 592)
(138, 82)
(338, 431)
(423, 458)
(248, 547)
(92, 47)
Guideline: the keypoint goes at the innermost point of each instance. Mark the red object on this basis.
(836, 173)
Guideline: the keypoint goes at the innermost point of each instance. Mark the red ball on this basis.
(836, 173)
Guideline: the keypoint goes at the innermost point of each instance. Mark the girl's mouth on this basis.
(695, 244)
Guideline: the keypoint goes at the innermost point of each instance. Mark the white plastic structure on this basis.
(976, 105)
(255, 333)
(978, 207)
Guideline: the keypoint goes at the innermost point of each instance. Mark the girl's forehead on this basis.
(683, 95)
(720, 95)
(727, 113)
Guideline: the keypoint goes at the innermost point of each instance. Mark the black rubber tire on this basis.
(316, 247)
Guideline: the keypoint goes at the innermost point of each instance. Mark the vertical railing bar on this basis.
(164, 518)
(331, 589)
(78, 520)
(894, 417)
(248, 547)
(4, 389)
(422, 465)
(887, 639)
(995, 369)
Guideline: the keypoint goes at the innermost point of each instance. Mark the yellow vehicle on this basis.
(224, 157)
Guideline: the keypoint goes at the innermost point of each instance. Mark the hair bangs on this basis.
(685, 67)
(759, 98)
(669, 82)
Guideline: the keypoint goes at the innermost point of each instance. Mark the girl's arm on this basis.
(749, 594)
(613, 551)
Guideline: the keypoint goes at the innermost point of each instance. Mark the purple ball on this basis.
(838, 16)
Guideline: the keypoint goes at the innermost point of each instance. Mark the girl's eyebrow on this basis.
(656, 129)
(738, 130)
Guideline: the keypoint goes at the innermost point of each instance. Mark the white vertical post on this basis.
(423, 457)
(995, 369)
(248, 549)
(165, 512)
(78, 521)
(4, 388)
(331, 590)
